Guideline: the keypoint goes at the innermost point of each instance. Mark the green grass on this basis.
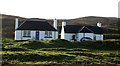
(61, 52)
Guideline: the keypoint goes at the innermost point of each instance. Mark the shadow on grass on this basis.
(51, 44)
(58, 43)
(36, 45)
(87, 54)
(59, 64)
(36, 57)
(14, 49)
(93, 45)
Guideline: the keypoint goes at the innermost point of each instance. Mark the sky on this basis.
(60, 9)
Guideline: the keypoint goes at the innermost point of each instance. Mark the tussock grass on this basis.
(60, 52)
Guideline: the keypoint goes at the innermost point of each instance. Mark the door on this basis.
(37, 35)
(73, 37)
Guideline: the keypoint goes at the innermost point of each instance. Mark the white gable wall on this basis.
(17, 35)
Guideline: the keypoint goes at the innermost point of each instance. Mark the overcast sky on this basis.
(60, 9)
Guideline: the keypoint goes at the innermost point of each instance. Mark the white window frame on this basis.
(48, 34)
(26, 33)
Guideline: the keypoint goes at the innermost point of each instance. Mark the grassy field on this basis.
(61, 52)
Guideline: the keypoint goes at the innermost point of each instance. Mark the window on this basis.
(48, 34)
(26, 33)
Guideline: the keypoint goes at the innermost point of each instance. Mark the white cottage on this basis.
(35, 30)
(81, 33)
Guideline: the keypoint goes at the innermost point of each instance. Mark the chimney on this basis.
(55, 23)
(99, 24)
(16, 23)
(16, 26)
(63, 30)
(63, 23)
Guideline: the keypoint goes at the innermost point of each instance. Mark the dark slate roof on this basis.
(87, 29)
(96, 29)
(41, 25)
(72, 28)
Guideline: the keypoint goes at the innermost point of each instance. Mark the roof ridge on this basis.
(30, 19)
(81, 29)
(90, 29)
(86, 28)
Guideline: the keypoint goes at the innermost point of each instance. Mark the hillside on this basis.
(8, 22)
(107, 22)
(8, 25)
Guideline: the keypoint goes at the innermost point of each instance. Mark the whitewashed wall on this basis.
(68, 36)
(79, 36)
(91, 35)
(19, 35)
(33, 35)
(29, 38)
(99, 36)
(42, 34)
(55, 34)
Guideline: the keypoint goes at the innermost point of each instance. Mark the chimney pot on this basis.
(63, 23)
(99, 24)
(55, 23)
(16, 23)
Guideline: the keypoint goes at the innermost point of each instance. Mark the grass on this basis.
(61, 52)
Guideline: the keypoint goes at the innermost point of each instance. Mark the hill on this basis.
(107, 22)
(110, 24)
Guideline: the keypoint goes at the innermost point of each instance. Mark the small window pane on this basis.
(26, 33)
(48, 34)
